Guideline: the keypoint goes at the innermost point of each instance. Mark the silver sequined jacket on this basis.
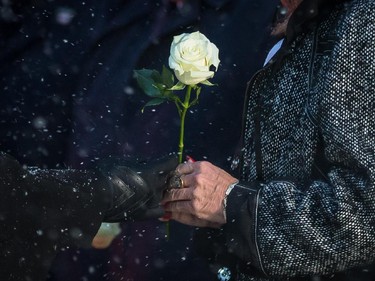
(305, 204)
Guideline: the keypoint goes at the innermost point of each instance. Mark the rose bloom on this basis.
(191, 57)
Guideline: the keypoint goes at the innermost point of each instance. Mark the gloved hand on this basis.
(138, 189)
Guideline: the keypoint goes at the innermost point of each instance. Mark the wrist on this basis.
(227, 192)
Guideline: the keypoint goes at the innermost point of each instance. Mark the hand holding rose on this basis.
(200, 201)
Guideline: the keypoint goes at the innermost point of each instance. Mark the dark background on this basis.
(69, 99)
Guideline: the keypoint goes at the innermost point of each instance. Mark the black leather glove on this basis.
(138, 188)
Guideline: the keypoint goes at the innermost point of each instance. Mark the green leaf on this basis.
(178, 86)
(167, 77)
(147, 80)
(160, 86)
(151, 74)
(198, 91)
(207, 83)
(154, 102)
(168, 94)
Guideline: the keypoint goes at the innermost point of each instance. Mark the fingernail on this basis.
(189, 158)
(166, 217)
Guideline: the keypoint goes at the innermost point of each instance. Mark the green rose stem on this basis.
(182, 110)
(188, 70)
(185, 107)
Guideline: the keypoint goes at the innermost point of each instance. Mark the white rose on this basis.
(191, 57)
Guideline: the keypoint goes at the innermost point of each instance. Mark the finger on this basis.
(179, 207)
(185, 168)
(190, 159)
(192, 220)
(166, 217)
(177, 195)
(183, 183)
(187, 180)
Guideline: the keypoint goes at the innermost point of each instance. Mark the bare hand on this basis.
(200, 201)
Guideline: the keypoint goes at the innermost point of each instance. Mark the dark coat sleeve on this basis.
(46, 211)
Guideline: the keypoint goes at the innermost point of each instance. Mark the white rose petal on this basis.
(194, 77)
(191, 56)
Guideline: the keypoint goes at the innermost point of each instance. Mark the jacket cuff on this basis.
(241, 226)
